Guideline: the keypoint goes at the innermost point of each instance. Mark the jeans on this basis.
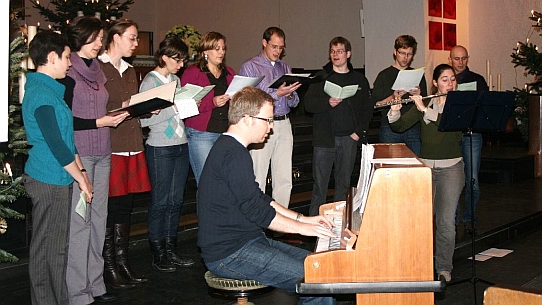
(199, 145)
(269, 262)
(168, 171)
(448, 183)
(477, 142)
(343, 156)
(410, 137)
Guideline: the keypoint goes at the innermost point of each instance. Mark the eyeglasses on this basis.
(133, 39)
(275, 47)
(340, 52)
(405, 54)
(461, 58)
(268, 120)
(179, 60)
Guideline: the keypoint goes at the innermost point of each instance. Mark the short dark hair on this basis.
(273, 30)
(83, 30)
(172, 46)
(117, 27)
(45, 42)
(405, 42)
(248, 101)
(341, 40)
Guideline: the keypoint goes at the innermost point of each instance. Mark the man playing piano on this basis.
(232, 210)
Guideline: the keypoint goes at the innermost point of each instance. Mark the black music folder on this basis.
(476, 111)
(289, 79)
(142, 108)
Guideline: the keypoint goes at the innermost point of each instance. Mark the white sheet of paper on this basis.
(494, 252)
(481, 258)
(406, 161)
(186, 107)
(194, 92)
(239, 82)
(81, 207)
(165, 92)
(467, 87)
(408, 79)
(336, 91)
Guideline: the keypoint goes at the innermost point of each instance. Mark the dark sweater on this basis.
(382, 89)
(232, 209)
(353, 114)
(467, 76)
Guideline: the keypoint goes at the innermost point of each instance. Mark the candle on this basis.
(488, 71)
(8, 168)
(80, 13)
(498, 82)
(490, 82)
(98, 15)
(32, 30)
(22, 79)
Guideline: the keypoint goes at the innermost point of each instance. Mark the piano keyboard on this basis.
(324, 244)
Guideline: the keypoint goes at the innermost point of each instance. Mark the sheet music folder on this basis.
(145, 107)
(292, 78)
(476, 111)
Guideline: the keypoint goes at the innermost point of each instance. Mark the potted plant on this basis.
(189, 35)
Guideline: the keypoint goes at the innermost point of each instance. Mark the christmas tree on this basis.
(527, 55)
(66, 10)
(11, 186)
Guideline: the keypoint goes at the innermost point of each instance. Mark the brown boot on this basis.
(112, 276)
(122, 240)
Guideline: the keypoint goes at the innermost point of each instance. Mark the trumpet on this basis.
(404, 101)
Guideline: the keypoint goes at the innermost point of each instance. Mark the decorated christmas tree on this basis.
(11, 186)
(528, 56)
(66, 10)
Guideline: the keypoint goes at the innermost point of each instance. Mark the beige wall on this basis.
(490, 29)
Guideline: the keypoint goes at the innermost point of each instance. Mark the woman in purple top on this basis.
(88, 98)
(210, 69)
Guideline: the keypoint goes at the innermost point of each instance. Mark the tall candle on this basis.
(490, 82)
(98, 15)
(488, 72)
(498, 82)
(80, 13)
(32, 30)
(22, 80)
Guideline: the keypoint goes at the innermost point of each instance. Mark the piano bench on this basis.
(231, 288)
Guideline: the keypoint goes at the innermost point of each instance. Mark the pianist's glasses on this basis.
(268, 120)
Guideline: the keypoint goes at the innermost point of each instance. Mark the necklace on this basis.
(90, 83)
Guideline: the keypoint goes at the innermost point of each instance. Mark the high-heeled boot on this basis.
(160, 261)
(112, 276)
(122, 241)
(171, 245)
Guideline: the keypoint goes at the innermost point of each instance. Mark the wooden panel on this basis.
(507, 295)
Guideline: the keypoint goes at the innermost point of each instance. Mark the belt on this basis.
(280, 117)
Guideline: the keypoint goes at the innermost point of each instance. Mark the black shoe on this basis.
(105, 298)
(171, 245)
(160, 261)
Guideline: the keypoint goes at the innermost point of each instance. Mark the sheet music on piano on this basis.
(365, 176)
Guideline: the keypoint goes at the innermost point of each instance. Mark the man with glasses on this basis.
(403, 55)
(279, 145)
(233, 210)
(459, 60)
(339, 124)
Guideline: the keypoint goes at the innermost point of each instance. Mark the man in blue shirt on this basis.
(279, 146)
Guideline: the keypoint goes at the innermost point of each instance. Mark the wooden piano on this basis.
(391, 261)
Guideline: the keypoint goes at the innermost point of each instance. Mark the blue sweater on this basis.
(48, 122)
(232, 209)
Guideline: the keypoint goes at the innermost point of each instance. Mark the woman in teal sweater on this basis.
(51, 168)
(441, 151)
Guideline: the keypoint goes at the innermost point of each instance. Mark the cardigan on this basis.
(193, 75)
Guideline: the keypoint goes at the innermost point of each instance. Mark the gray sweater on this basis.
(163, 126)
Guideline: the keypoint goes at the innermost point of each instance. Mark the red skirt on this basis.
(129, 174)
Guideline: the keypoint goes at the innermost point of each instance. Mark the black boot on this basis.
(122, 240)
(112, 276)
(171, 244)
(160, 261)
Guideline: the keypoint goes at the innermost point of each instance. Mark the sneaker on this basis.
(446, 274)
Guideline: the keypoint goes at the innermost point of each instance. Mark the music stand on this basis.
(475, 111)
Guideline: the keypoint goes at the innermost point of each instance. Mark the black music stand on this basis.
(474, 111)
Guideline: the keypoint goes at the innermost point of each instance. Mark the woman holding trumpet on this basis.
(441, 151)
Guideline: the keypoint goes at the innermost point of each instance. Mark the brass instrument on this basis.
(404, 101)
